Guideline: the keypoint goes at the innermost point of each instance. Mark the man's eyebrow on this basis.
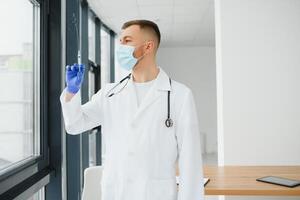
(127, 36)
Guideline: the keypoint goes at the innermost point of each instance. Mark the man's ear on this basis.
(150, 45)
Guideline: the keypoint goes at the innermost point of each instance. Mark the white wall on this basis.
(258, 83)
(195, 67)
(258, 45)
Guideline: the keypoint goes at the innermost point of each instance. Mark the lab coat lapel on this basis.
(155, 91)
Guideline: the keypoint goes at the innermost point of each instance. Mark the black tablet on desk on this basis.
(205, 180)
(279, 181)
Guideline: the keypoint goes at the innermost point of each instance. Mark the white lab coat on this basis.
(141, 152)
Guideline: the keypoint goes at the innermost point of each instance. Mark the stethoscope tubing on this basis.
(168, 122)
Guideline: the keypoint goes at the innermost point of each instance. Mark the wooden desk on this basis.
(241, 180)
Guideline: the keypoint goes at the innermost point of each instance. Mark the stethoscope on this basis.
(168, 122)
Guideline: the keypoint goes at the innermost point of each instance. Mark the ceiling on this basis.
(181, 22)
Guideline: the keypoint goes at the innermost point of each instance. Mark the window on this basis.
(105, 56)
(19, 82)
(92, 73)
(105, 69)
(92, 38)
(92, 133)
(40, 195)
(92, 147)
(91, 78)
(119, 72)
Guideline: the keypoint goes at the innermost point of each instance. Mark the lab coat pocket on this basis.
(162, 189)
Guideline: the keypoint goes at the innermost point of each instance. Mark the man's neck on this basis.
(145, 71)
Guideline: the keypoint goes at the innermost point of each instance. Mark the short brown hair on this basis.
(145, 24)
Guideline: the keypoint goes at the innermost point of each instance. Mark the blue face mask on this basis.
(124, 54)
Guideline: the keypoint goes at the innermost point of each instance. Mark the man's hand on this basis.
(74, 79)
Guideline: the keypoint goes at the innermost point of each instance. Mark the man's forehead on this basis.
(130, 31)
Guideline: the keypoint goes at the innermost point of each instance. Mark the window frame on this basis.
(27, 179)
(95, 70)
(29, 175)
(78, 145)
(111, 34)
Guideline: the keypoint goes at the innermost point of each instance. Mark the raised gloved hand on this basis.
(74, 77)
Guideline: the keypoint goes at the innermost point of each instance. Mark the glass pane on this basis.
(91, 84)
(105, 57)
(92, 37)
(19, 69)
(40, 195)
(105, 72)
(92, 135)
(103, 152)
(92, 148)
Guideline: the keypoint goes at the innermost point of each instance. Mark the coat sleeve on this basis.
(191, 184)
(79, 118)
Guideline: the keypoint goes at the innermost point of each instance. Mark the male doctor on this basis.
(149, 123)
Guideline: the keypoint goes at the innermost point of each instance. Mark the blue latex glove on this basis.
(74, 77)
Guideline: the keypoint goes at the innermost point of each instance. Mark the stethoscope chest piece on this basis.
(169, 122)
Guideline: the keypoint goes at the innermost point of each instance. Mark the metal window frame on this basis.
(75, 153)
(112, 55)
(31, 175)
(37, 80)
(53, 77)
(98, 87)
(57, 49)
